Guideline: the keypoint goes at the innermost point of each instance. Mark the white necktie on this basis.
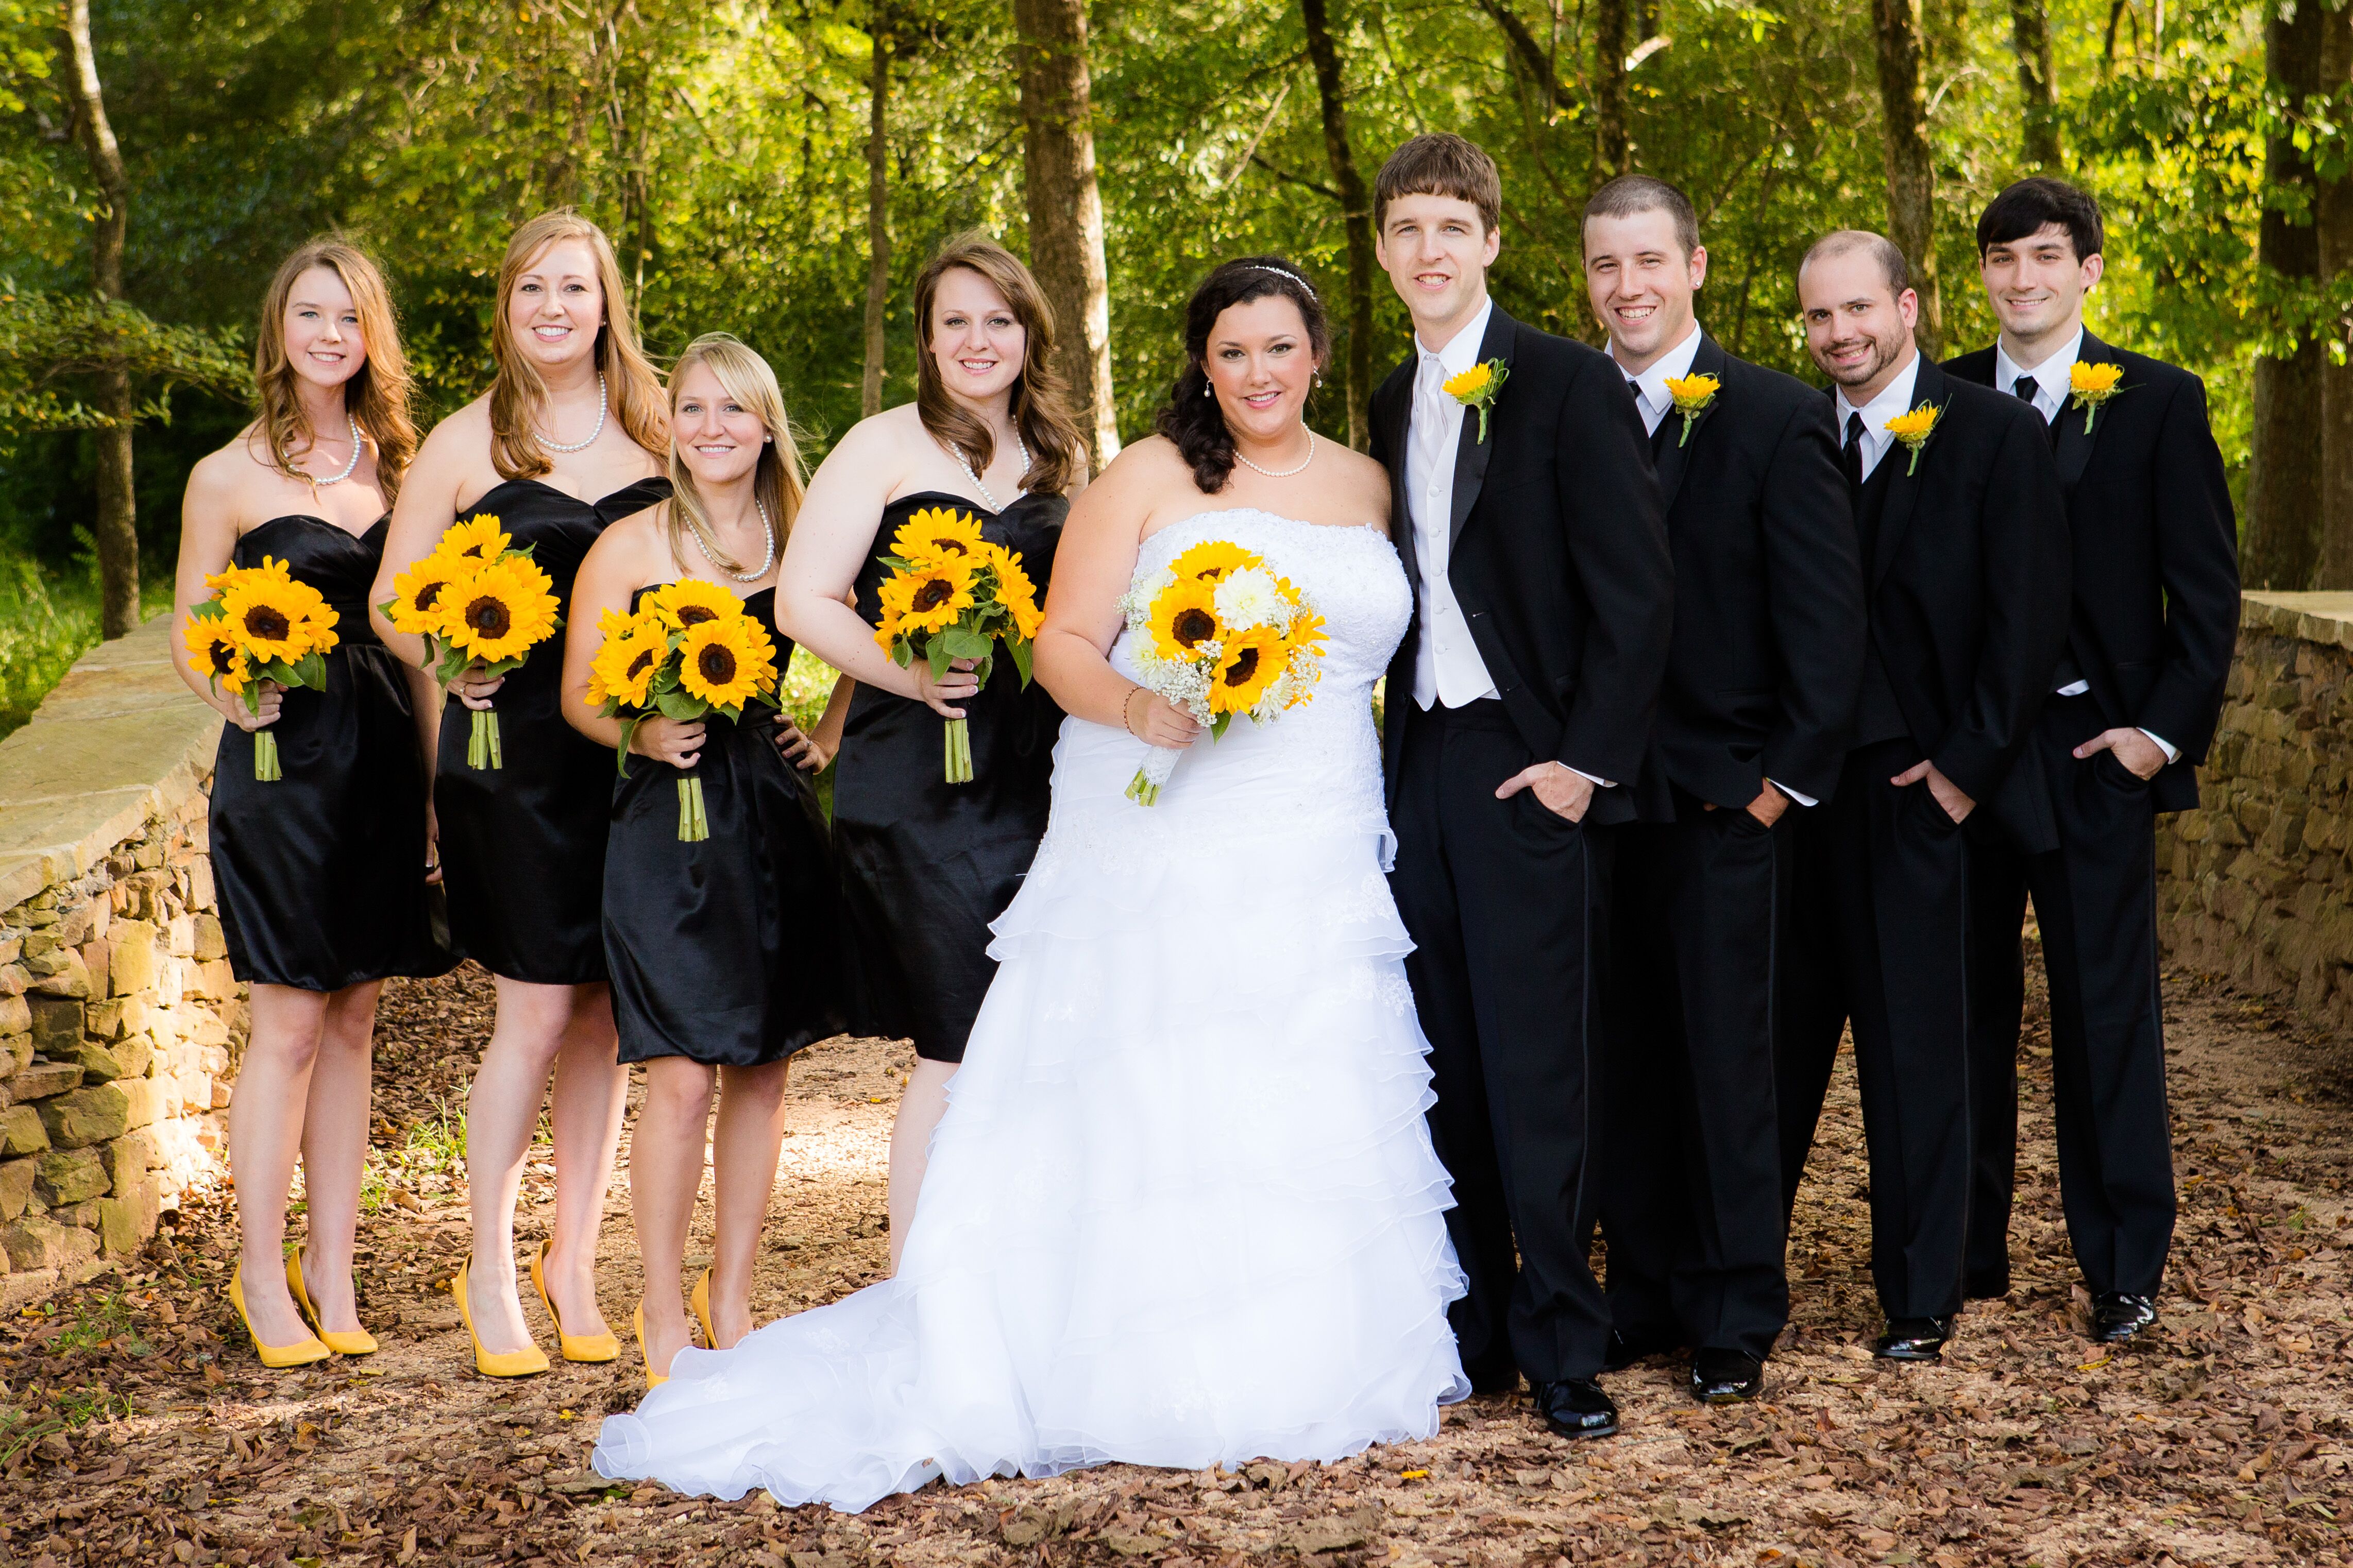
(1430, 418)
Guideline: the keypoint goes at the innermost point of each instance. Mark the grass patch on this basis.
(48, 620)
(431, 1154)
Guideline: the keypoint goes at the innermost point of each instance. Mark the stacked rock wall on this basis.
(120, 1023)
(2254, 885)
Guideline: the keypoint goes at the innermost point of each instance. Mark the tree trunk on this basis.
(2038, 86)
(2280, 545)
(1355, 216)
(1910, 166)
(1612, 142)
(878, 211)
(117, 522)
(1066, 222)
(2336, 235)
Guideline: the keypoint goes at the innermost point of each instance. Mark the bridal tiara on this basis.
(1280, 272)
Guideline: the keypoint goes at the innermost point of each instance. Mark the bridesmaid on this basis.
(725, 953)
(321, 874)
(567, 440)
(926, 864)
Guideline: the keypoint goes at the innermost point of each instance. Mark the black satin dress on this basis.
(925, 864)
(321, 874)
(522, 847)
(727, 951)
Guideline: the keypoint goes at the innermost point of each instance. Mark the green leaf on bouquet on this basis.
(314, 670)
(987, 662)
(213, 610)
(1217, 726)
(963, 643)
(628, 736)
(937, 656)
(682, 706)
(1018, 647)
(902, 653)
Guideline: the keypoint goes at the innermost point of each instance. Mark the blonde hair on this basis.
(376, 395)
(1041, 399)
(518, 393)
(780, 481)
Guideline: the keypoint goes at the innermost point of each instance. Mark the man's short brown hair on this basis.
(1440, 164)
(1630, 194)
(1839, 242)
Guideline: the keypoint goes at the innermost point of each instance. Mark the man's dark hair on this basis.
(1630, 194)
(2031, 204)
(1440, 164)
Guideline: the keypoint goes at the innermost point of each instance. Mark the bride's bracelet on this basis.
(1127, 710)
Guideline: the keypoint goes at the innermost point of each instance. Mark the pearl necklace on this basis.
(766, 561)
(1286, 473)
(346, 474)
(987, 494)
(602, 406)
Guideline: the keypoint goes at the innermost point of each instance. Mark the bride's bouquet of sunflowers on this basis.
(474, 600)
(690, 649)
(952, 594)
(261, 625)
(1218, 634)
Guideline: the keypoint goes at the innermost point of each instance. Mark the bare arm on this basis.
(623, 560)
(209, 534)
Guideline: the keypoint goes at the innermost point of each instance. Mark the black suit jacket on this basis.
(1969, 594)
(1558, 557)
(1770, 625)
(2155, 612)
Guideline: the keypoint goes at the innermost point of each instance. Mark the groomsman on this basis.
(2134, 704)
(1761, 683)
(1519, 704)
(1963, 535)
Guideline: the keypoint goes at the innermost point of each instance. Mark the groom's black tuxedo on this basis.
(1558, 560)
(2155, 618)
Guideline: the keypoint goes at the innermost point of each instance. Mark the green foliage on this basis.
(49, 342)
(48, 620)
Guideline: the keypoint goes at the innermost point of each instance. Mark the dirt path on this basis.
(144, 1432)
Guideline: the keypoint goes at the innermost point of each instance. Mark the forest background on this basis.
(780, 170)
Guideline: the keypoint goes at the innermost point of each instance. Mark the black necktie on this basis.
(1851, 453)
(2026, 386)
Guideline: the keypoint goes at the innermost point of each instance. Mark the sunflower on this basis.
(477, 539)
(2093, 379)
(892, 628)
(213, 648)
(1916, 424)
(624, 668)
(417, 594)
(1467, 384)
(927, 597)
(1015, 591)
(270, 567)
(938, 533)
(1211, 560)
(274, 617)
(1250, 664)
(501, 611)
(1184, 617)
(722, 662)
(1306, 634)
(691, 600)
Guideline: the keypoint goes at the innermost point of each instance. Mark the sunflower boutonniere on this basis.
(1913, 429)
(2092, 385)
(1695, 396)
(1476, 388)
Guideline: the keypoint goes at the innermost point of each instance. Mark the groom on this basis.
(1517, 706)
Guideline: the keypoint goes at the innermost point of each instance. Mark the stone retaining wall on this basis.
(121, 1026)
(2254, 885)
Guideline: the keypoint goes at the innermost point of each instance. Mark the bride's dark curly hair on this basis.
(1192, 418)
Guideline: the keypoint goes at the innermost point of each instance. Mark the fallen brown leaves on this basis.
(144, 1432)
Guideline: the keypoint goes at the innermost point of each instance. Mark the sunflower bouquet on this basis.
(474, 600)
(952, 595)
(1219, 635)
(261, 624)
(690, 649)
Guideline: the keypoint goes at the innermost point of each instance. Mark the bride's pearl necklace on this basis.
(346, 474)
(1286, 473)
(602, 408)
(766, 561)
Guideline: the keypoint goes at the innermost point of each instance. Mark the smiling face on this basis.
(1260, 362)
(717, 438)
(1858, 328)
(976, 341)
(1641, 283)
(2037, 284)
(557, 305)
(322, 324)
(1437, 251)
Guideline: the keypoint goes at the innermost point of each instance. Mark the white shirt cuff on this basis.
(2073, 689)
(1807, 799)
(2172, 753)
(1605, 784)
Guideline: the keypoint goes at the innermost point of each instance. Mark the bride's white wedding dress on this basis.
(1183, 1209)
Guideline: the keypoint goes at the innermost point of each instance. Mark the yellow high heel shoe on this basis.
(361, 1342)
(575, 1347)
(701, 1301)
(302, 1352)
(494, 1363)
(639, 1319)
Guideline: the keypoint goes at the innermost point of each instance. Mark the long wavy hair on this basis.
(518, 394)
(1041, 398)
(1193, 419)
(377, 393)
(780, 479)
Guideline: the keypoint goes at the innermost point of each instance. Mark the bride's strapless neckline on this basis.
(1262, 515)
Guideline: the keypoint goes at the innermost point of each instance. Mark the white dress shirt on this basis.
(1895, 399)
(1446, 663)
(1651, 393)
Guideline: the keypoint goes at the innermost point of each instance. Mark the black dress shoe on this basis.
(1914, 1339)
(1725, 1377)
(1629, 1347)
(2117, 1317)
(1576, 1407)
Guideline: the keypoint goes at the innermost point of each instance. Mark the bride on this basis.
(1183, 1209)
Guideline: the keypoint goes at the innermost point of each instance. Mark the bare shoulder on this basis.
(1133, 483)
(1362, 483)
(635, 544)
(464, 432)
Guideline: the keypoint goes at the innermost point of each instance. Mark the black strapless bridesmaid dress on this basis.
(321, 874)
(727, 951)
(925, 864)
(522, 847)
